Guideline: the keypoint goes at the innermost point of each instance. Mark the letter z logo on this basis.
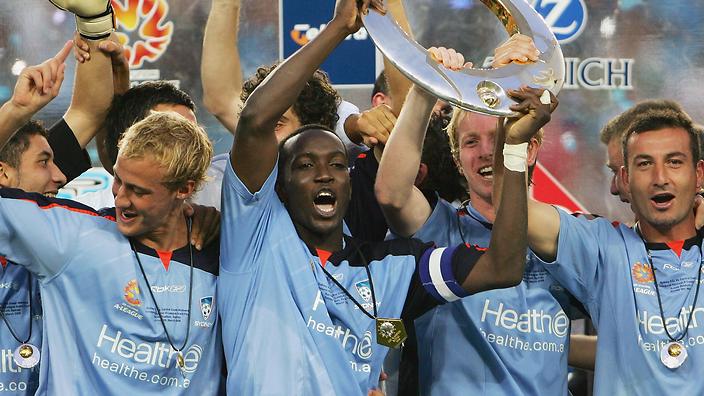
(566, 18)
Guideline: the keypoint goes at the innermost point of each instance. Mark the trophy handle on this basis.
(475, 89)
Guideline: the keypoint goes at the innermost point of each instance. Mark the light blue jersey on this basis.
(606, 267)
(102, 333)
(510, 341)
(288, 329)
(14, 292)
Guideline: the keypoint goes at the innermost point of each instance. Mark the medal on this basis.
(181, 364)
(673, 354)
(390, 332)
(26, 355)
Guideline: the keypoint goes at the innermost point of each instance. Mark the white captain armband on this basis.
(441, 268)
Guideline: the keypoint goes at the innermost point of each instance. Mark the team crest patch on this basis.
(132, 293)
(364, 290)
(642, 273)
(206, 306)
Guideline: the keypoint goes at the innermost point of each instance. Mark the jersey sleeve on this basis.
(40, 233)
(440, 272)
(71, 159)
(247, 219)
(211, 192)
(344, 110)
(580, 253)
(441, 224)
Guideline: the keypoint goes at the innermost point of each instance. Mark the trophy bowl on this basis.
(475, 89)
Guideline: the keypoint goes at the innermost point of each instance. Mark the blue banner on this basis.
(352, 62)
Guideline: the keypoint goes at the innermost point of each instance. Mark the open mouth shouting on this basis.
(125, 216)
(325, 203)
(662, 201)
(486, 172)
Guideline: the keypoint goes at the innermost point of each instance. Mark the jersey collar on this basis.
(350, 251)
(677, 246)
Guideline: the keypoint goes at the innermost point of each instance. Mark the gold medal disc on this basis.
(673, 354)
(390, 332)
(675, 349)
(26, 351)
(26, 355)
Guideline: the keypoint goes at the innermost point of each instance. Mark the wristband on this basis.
(95, 28)
(515, 156)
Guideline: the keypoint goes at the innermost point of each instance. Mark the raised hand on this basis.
(535, 106)
(518, 49)
(120, 65)
(38, 85)
(116, 52)
(373, 126)
(349, 12)
(449, 58)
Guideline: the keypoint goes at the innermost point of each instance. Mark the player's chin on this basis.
(131, 229)
(325, 225)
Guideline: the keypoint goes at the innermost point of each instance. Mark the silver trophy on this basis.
(475, 89)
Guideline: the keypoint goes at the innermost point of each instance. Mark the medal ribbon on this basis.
(657, 293)
(12, 331)
(190, 291)
(349, 295)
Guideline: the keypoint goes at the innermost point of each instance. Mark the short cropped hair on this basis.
(136, 104)
(381, 85)
(19, 143)
(654, 120)
(700, 132)
(284, 155)
(617, 126)
(178, 145)
(316, 104)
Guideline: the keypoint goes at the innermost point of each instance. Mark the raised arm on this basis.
(93, 87)
(503, 263)
(220, 68)
(543, 219)
(543, 229)
(454, 272)
(36, 86)
(403, 204)
(69, 138)
(93, 90)
(255, 148)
